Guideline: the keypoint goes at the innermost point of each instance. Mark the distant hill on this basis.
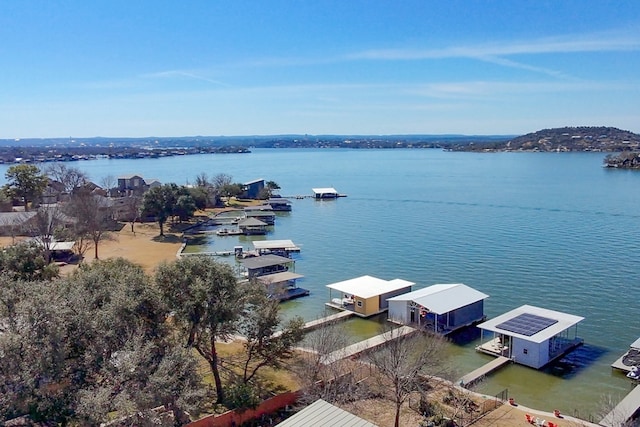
(584, 138)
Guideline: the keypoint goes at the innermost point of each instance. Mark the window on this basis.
(359, 303)
(525, 351)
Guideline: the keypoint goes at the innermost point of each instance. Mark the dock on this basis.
(368, 344)
(322, 321)
(624, 411)
(484, 370)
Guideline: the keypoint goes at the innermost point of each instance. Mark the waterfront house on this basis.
(252, 226)
(531, 336)
(365, 295)
(252, 189)
(441, 308)
(325, 193)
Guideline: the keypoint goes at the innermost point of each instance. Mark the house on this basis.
(14, 223)
(531, 336)
(441, 308)
(325, 193)
(252, 226)
(366, 295)
(252, 189)
(135, 184)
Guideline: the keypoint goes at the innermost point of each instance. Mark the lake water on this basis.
(554, 230)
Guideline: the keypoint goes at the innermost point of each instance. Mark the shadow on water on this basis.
(465, 336)
(576, 361)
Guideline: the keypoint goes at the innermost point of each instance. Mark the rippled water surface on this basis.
(553, 230)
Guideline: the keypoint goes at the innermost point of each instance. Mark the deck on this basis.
(624, 410)
(484, 370)
(357, 348)
(350, 309)
(628, 360)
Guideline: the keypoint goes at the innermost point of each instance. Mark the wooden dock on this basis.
(354, 349)
(475, 375)
(322, 321)
(624, 410)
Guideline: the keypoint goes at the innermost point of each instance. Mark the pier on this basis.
(357, 348)
(624, 411)
(486, 369)
(321, 322)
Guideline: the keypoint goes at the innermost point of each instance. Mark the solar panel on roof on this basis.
(527, 324)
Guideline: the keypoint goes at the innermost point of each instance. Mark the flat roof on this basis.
(265, 261)
(251, 222)
(324, 414)
(443, 298)
(635, 344)
(278, 277)
(61, 246)
(368, 286)
(278, 200)
(324, 190)
(274, 244)
(564, 322)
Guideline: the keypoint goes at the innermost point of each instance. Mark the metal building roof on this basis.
(444, 298)
(368, 286)
(564, 322)
(324, 414)
(265, 261)
(274, 244)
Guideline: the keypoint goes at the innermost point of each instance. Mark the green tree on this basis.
(185, 206)
(25, 182)
(159, 202)
(206, 301)
(269, 340)
(26, 261)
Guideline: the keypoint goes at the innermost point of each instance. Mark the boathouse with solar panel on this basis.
(440, 308)
(366, 296)
(531, 336)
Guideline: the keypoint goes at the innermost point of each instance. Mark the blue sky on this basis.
(178, 68)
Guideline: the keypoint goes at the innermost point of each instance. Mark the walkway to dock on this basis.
(624, 410)
(352, 350)
(475, 375)
(322, 321)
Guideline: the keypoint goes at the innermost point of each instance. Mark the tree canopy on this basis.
(25, 182)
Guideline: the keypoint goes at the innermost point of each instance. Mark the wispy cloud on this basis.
(605, 42)
(170, 74)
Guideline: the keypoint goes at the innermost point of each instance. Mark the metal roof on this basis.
(444, 298)
(251, 222)
(278, 277)
(278, 200)
(564, 322)
(325, 190)
(265, 261)
(324, 414)
(368, 286)
(636, 343)
(274, 244)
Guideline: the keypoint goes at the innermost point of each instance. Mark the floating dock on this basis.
(484, 370)
(624, 411)
(357, 348)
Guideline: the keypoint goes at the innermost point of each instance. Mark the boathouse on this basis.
(531, 336)
(440, 308)
(279, 204)
(325, 193)
(267, 264)
(366, 295)
(277, 247)
(252, 189)
(252, 226)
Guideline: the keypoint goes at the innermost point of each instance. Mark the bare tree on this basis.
(404, 361)
(108, 182)
(221, 180)
(70, 177)
(93, 217)
(132, 208)
(44, 225)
